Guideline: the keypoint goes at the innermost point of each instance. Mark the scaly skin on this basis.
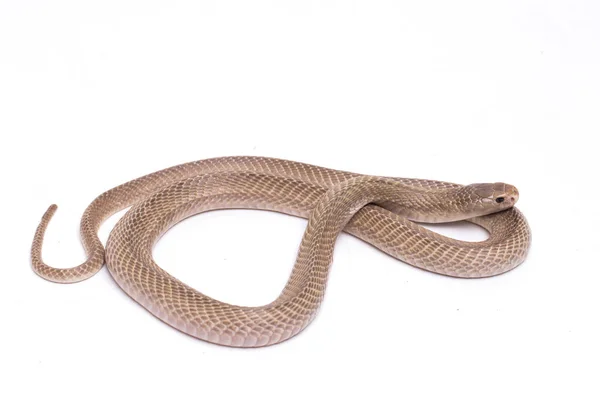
(375, 209)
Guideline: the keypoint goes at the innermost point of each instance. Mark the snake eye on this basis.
(499, 199)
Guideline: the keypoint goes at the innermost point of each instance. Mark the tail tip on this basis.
(51, 210)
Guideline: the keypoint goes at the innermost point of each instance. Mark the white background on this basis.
(93, 94)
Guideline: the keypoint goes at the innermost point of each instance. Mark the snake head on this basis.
(493, 197)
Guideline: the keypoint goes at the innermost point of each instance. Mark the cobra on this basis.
(379, 210)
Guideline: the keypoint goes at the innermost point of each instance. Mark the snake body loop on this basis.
(378, 210)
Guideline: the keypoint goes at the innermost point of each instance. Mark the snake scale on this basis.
(379, 210)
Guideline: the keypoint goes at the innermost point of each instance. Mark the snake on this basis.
(386, 212)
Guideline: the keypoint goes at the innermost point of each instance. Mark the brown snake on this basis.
(375, 209)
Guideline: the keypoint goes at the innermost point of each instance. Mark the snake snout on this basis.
(512, 194)
(505, 193)
(495, 196)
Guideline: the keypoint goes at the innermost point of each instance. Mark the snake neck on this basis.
(437, 205)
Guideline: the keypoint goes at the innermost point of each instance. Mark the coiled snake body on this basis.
(378, 210)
